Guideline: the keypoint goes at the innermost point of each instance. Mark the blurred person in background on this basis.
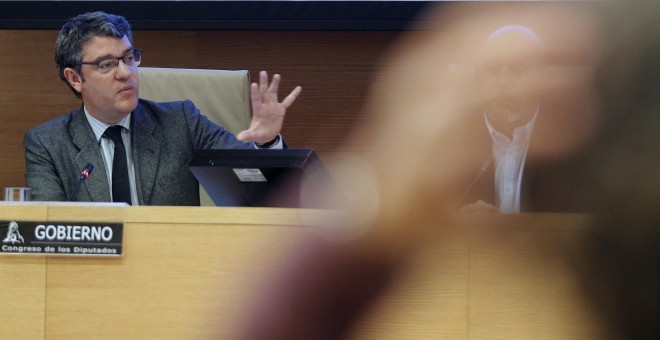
(509, 114)
(518, 118)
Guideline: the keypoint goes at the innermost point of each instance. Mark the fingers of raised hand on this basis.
(263, 82)
(291, 97)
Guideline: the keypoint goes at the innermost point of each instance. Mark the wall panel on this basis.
(334, 68)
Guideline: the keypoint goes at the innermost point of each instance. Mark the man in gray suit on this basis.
(96, 58)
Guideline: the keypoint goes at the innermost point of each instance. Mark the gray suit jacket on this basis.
(164, 138)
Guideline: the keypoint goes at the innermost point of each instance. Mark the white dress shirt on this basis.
(108, 150)
(509, 156)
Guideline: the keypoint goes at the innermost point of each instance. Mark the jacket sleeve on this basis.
(41, 172)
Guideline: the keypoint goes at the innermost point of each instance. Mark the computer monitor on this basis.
(263, 177)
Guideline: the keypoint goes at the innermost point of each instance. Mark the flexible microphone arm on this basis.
(482, 171)
(84, 173)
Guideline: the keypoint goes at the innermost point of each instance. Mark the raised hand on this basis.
(267, 112)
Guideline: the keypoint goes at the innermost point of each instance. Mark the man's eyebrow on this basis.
(109, 56)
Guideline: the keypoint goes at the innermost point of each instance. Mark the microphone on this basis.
(84, 173)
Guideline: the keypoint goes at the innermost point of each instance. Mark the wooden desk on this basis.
(22, 284)
(188, 272)
(489, 277)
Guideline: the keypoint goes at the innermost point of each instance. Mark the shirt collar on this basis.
(519, 132)
(99, 127)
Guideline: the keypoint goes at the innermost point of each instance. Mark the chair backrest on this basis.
(223, 96)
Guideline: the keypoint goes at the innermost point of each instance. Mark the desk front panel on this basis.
(22, 282)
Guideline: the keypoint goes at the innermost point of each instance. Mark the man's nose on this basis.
(504, 78)
(123, 71)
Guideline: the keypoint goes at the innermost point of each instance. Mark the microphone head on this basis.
(87, 170)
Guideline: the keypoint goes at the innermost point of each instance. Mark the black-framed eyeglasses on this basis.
(131, 59)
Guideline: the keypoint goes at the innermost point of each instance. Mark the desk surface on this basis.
(190, 272)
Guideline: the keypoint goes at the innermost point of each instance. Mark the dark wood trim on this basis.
(221, 15)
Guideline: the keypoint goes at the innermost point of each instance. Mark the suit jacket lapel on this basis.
(146, 152)
(96, 186)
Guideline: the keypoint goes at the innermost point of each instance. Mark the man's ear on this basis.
(73, 78)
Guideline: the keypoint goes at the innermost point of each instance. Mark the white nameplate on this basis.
(249, 175)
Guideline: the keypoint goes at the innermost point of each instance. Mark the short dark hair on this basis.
(78, 30)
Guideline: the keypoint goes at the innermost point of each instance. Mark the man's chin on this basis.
(128, 106)
(504, 115)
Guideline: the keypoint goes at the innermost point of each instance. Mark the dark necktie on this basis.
(121, 189)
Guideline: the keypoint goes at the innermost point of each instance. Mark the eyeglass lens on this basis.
(132, 59)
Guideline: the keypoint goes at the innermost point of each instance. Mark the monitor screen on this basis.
(263, 177)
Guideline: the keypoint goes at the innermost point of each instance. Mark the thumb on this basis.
(244, 136)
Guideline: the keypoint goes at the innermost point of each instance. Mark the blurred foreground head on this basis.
(422, 151)
(620, 267)
(419, 155)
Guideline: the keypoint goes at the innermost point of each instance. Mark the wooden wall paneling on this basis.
(334, 67)
(30, 93)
